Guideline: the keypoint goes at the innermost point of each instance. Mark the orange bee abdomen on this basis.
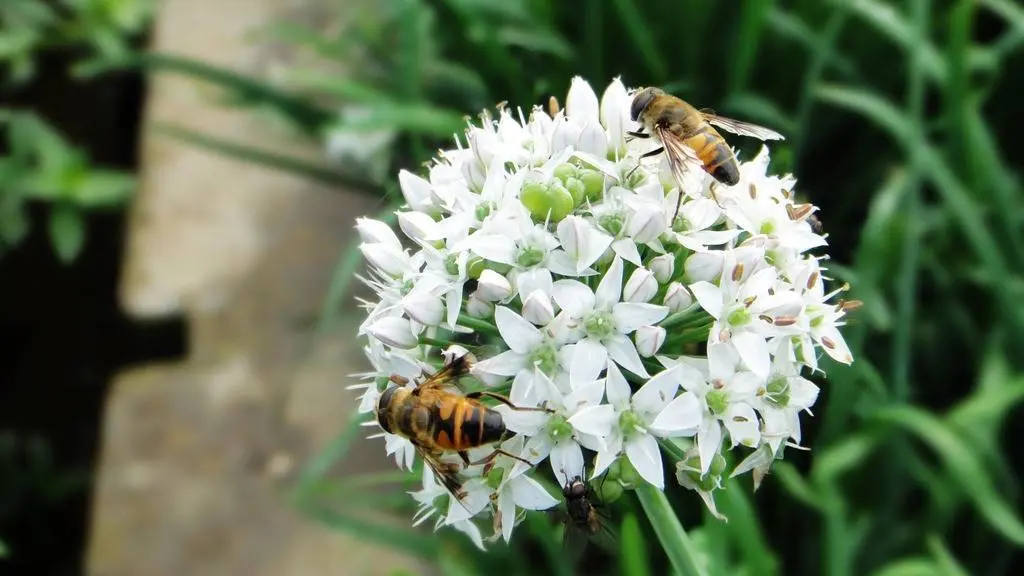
(716, 156)
(463, 424)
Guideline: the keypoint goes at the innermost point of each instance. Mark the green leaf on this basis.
(282, 162)
(751, 23)
(762, 110)
(102, 189)
(745, 529)
(945, 562)
(963, 465)
(674, 541)
(908, 567)
(632, 551)
(67, 232)
(248, 90)
(838, 459)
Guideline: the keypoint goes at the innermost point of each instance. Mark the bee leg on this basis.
(654, 152)
(400, 380)
(488, 460)
(465, 457)
(504, 400)
(638, 134)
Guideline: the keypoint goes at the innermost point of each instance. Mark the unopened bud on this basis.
(424, 308)
(640, 287)
(677, 297)
(537, 308)
(394, 331)
(493, 286)
(479, 308)
(663, 267)
(649, 340)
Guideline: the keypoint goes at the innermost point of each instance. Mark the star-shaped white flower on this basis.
(606, 323)
(624, 424)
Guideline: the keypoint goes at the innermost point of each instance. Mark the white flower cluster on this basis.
(635, 326)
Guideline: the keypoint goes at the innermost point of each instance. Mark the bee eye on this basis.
(640, 101)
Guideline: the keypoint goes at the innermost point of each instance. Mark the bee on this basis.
(438, 419)
(688, 136)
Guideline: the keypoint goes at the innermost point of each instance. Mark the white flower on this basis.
(528, 345)
(606, 323)
(393, 331)
(709, 404)
(677, 297)
(624, 423)
(582, 241)
(615, 106)
(538, 309)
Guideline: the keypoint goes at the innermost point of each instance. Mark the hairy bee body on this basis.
(688, 136)
(439, 420)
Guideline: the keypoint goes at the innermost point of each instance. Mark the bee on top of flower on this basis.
(566, 292)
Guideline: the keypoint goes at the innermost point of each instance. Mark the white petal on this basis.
(617, 388)
(374, 231)
(586, 395)
(623, 351)
(640, 287)
(607, 456)
(649, 340)
(528, 281)
(418, 226)
(581, 102)
(741, 422)
(653, 396)
(529, 494)
(573, 296)
(493, 286)
(507, 512)
(520, 335)
(508, 363)
(588, 359)
(753, 349)
(643, 453)
(536, 450)
(595, 420)
(626, 248)
(537, 308)
(682, 417)
(610, 288)
(393, 331)
(709, 297)
(709, 440)
(415, 189)
(493, 247)
(424, 308)
(631, 315)
(837, 347)
(567, 462)
(389, 259)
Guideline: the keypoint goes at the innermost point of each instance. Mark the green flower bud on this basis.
(627, 474)
(576, 187)
(593, 184)
(544, 202)
(609, 490)
(612, 223)
(530, 257)
(718, 401)
(717, 465)
(565, 171)
(709, 483)
(475, 267)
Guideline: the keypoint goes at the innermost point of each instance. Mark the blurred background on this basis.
(178, 184)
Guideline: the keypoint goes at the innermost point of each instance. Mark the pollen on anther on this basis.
(785, 320)
(828, 343)
(737, 272)
(753, 191)
(812, 280)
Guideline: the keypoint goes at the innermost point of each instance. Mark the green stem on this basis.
(478, 325)
(670, 532)
(434, 342)
(682, 317)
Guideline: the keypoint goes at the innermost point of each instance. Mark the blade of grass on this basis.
(673, 538)
(788, 25)
(745, 530)
(300, 110)
(963, 464)
(753, 16)
(632, 552)
(252, 154)
(908, 567)
(961, 205)
(944, 560)
(331, 454)
(906, 283)
(640, 36)
(406, 540)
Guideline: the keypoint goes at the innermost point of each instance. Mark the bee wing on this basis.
(444, 472)
(448, 375)
(681, 158)
(741, 128)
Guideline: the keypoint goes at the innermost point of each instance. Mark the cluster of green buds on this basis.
(571, 186)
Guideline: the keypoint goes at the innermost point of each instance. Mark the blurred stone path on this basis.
(196, 456)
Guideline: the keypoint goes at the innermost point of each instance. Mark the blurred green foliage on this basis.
(37, 163)
(901, 120)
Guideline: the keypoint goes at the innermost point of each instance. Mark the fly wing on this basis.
(742, 128)
(448, 376)
(681, 159)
